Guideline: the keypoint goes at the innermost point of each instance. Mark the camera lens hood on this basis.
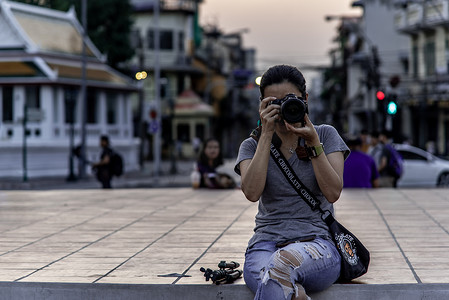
(293, 109)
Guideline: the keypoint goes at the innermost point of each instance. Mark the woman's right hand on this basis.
(254, 171)
(269, 114)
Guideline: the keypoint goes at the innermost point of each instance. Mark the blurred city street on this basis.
(161, 80)
(149, 243)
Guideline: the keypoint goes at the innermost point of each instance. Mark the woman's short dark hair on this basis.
(104, 138)
(283, 73)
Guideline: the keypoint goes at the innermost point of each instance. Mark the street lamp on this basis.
(141, 75)
(138, 43)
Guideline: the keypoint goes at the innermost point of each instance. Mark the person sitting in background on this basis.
(209, 159)
(102, 168)
(360, 169)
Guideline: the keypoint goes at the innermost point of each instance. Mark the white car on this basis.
(421, 168)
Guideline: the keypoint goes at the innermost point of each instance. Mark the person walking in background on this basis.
(360, 169)
(102, 168)
(291, 252)
(390, 162)
(366, 141)
(209, 159)
(376, 148)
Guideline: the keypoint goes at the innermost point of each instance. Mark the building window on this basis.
(150, 39)
(165, 39)
(200, 131)
(415, 61)
(135, 39)
(70, 99)
(181, 41)
(33, 98)
(124, 110)
(92, 106)
(183, 133)
(429, 56)
(447, 55)
(8, 104)
(111, 108)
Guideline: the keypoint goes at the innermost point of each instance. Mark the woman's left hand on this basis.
(307, 132)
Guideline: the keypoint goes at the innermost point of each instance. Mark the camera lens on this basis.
(293, 110)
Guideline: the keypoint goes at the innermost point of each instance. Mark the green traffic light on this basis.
(392, 108)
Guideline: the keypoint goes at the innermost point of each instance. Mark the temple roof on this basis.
(40, 44)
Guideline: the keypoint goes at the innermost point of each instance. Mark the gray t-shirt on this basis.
(282, 214)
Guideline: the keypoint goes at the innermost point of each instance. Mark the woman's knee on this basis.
(280, 271)
(284, 262)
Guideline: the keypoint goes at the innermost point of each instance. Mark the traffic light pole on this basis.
(157, 96)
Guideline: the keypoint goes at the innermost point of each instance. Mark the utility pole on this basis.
(157, 95)
(24, 148)
(82, 161)
(70, 102)
(142, 129)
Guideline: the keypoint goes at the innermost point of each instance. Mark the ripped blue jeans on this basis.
(271, 272)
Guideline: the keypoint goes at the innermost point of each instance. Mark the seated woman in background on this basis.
(210, 158)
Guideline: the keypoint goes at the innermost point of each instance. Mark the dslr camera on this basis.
(293, 108)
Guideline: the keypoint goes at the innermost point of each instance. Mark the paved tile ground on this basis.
(158, 236)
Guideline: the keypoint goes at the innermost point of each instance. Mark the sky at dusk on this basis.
(281, 31)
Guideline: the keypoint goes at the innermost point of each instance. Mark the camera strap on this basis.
(293, 179)
(300, 149)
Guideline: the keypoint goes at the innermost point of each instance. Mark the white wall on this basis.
(48, 153)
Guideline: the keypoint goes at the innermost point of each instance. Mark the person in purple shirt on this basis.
(360, 169)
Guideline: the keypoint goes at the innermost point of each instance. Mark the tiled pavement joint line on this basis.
(62, 230)
(49, 217)
(55, 233)
(395, 240)
(156, 240)
(207, 249)
(65, 229)
(36, 221)
(426, 213)
(92, 243)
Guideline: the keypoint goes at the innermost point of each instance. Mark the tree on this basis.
(108, 25)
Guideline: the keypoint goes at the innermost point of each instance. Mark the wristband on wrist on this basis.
(315, 151)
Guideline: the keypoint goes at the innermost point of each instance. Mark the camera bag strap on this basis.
(293, 179)
(355, 256)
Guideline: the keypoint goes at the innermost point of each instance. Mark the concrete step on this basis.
(88, 291)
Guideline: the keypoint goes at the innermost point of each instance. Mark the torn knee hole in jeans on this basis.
(283, 263)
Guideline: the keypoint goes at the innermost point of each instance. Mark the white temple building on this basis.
(41, 70)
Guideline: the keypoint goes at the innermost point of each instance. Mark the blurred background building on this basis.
(204, 76)
(388, 70)
(40, 78)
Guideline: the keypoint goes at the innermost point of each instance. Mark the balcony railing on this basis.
(188, 6)
(183, 5)
(420, 16)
